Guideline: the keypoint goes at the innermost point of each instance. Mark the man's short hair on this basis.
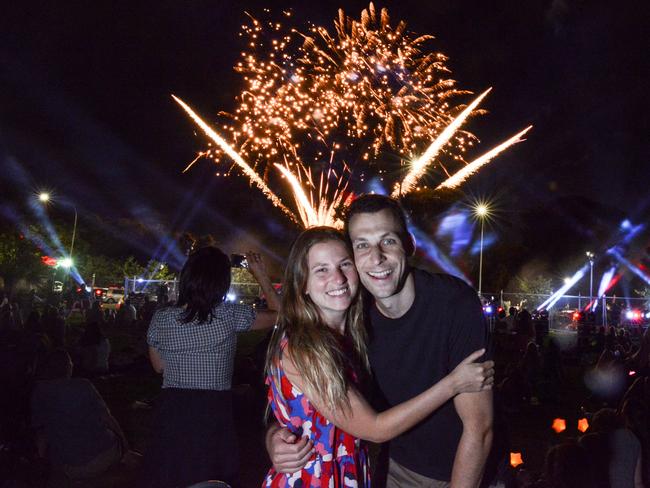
(373, 203)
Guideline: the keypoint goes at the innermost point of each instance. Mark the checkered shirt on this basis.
(199, 356)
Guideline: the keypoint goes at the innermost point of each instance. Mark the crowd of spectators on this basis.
(615, 449)
(52, 415)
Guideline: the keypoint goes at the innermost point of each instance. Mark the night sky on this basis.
(85, 106)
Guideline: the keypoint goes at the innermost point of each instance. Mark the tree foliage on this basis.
(19, 260)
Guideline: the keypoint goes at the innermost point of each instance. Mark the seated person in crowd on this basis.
(94, 349)
(75, 430)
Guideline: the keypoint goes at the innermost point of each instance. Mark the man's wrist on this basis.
(272, 429)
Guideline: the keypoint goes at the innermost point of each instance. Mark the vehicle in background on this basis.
(635, 317)
(114, 295)
(100, 293)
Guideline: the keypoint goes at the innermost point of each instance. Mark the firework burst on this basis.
(317, 108)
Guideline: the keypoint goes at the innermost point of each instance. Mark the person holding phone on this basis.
(193, 346)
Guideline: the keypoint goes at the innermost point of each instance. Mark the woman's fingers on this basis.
(473, 357)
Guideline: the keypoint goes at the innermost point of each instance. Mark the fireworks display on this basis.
(325, 111)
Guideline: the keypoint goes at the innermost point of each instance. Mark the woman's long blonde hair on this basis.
(316, 350)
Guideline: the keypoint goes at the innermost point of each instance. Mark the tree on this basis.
(106, 270)
(131, 268)
(530, 287)
(19, 260)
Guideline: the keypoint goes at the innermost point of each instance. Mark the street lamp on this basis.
(590, 255)
(44, 197)
(482, 211)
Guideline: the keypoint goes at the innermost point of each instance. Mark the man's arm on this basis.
(287, 453)
(475, 411)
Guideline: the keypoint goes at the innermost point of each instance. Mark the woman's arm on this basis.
(257, 267)
(360, 420)
(156, 360)
(264, 318)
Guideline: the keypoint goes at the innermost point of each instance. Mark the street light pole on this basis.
(591, 256)
(44, 197)
(74, 231)
(480, 262)
(481, 211)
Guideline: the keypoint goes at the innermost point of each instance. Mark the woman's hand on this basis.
(471, 377)
(256, 265)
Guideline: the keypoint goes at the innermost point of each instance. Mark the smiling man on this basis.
(421, 326)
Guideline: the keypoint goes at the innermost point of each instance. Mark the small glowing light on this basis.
(567, 280)
(583, 425)
(140, 280)
(629, 315)
(231, 297)
(631, 373)
(559, 425)
(488, 310)
(482, 210)
(516, 459)
(65, 262)
(44, 197)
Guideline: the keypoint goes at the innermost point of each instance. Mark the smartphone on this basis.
(238, 261)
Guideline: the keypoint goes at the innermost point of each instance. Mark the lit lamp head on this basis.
(66, 263)
(481, 210)
(44, 197)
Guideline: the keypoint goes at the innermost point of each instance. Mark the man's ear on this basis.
(409, 244)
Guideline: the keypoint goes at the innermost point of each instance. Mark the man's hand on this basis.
(288, 454)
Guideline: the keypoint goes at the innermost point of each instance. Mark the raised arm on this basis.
(362, 421)
(264, 318)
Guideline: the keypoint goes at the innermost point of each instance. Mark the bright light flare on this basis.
(555, 297)
(583, 425)
(516, 459)
(558, 425)
(44, 197)
(482, 210)
(66, 263)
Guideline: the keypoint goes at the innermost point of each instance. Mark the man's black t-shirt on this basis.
(409, 354)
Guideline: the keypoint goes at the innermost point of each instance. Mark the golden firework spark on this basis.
(471, 168)
(248, 171)
(317, 108)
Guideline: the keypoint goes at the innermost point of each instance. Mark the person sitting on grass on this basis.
(74, 428)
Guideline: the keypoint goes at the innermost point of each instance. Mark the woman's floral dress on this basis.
(340, 459)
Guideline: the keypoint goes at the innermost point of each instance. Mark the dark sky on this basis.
(85, 105)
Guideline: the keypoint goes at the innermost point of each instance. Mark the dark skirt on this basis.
(193, 439)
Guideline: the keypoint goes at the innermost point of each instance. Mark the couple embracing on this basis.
(416, 339)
